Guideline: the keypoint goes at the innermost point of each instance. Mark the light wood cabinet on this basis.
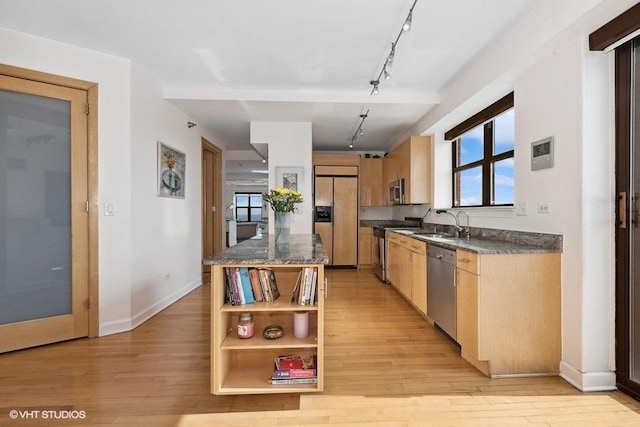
(408, 269)
(364, 247)
(243, 366)
(410, 161)
(508, 312)
(414, 165)
(372, 189)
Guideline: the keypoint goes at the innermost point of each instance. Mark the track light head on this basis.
(264, 160)
(407, 24)
(351, 146)
(190, 125)
(375, 84)
(387, 76)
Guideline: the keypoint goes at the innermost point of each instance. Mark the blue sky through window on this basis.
(471, 146)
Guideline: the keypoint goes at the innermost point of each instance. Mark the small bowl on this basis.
(273, 332)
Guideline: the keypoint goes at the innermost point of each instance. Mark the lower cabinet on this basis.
(408, 269)
(364, 247)
(508, 312)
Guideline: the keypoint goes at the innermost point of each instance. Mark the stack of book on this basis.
(305, 289)
(248, 285)
(295, 369)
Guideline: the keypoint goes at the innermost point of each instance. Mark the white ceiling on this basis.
(227, 63)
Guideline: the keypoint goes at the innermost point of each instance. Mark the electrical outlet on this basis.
(543, 208)
(521, 208)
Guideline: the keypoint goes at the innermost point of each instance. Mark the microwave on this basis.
(396, 192)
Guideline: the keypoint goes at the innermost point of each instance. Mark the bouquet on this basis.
(282, 199)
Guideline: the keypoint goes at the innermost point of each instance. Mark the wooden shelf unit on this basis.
(244, 366)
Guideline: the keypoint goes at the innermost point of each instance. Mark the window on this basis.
(248, 207)
(483, 148)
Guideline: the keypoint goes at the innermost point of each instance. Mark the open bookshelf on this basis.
(244, 366)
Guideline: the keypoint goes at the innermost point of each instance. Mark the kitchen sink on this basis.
(432, 235)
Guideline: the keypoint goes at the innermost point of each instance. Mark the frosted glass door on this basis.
(43, 221)
(35, 217)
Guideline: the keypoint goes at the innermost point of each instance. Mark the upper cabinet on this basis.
(372, 187)
(410, 161)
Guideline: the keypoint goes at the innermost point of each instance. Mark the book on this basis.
(232, 295)
(255, 285)
(238, 285)
(295, 361)
(314, 283)
(294, 373)
(295, 297)
(273, 285)
(264, 284)
(246, 285)
(290, 381)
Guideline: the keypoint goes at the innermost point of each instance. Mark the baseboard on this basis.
(587, 381)
(126, 325)
(156, 308)
(115, 327)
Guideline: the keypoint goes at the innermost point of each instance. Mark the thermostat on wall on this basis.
(542, 154)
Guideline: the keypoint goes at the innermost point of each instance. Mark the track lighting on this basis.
(359, 131)
(389, 61)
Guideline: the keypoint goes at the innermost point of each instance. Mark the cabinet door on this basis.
(403, 282)
(419, 281)
(364, 246)
(323, 194)
(345, 221)
(325, 230)
(371, 183)
(393, 263)
(467, 311)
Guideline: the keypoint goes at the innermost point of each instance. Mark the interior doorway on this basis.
(211, 204)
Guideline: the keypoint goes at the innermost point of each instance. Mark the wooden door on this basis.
(345, 221)
(211, 200)
(44, 221)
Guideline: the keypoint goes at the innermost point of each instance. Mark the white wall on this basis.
(289, 146)
(166, 233)
(561, 90)
(147, 233)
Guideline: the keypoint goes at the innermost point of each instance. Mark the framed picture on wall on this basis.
(291, 178)
(171, 172)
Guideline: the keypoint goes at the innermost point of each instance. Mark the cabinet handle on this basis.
(464, 260)
(622, 209)
(326, 287)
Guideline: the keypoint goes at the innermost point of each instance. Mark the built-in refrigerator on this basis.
(336, 216)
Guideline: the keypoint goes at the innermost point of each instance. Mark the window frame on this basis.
(248, 194)
(484, 118)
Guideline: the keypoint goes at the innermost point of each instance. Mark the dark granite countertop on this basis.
(503, 242)
(263, 250)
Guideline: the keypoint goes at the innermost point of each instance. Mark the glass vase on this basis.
(281, 227)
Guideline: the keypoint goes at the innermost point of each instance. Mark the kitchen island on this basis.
(245, 365)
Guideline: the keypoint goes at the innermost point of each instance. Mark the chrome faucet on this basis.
(467, 228)
(457, 224)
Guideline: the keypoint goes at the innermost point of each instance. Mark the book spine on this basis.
(246, 285)
(294, 373)
(314, 282)
(255, 285)
(284, 381)
(238, 279)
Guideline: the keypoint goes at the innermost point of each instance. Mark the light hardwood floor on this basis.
(385, 366)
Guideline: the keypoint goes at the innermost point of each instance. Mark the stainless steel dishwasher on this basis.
(441, 288)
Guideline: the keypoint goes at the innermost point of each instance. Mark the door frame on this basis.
(92, 175)
(217, 200)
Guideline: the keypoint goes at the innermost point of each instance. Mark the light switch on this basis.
(109, 209)
(521, 208)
